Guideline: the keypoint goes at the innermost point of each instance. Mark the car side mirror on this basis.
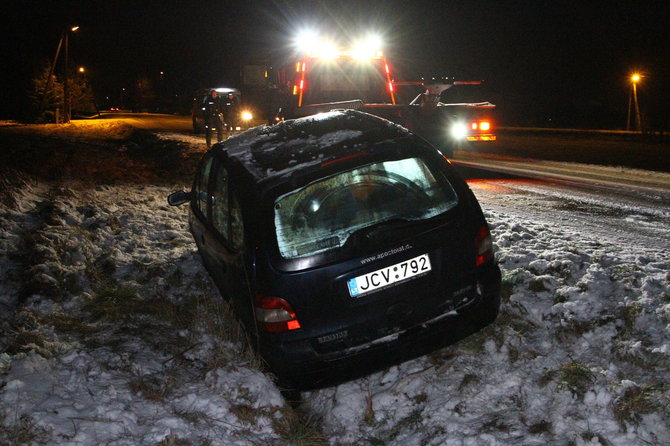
(178, 198)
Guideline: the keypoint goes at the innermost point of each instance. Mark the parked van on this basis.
(344, 242)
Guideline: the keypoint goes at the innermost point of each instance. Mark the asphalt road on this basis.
(600, 149)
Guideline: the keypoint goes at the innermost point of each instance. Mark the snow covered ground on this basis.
(112, 333)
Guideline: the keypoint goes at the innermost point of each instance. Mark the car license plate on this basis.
(388, 276)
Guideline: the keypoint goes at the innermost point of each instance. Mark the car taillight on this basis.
(274, 314)
(484, 244)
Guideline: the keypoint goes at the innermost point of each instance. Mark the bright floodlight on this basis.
(635, 78)
(326, 50)
(368, 47)
(306, 41)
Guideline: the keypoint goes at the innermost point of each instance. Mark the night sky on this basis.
(560, 63)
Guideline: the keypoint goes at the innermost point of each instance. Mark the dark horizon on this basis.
(556, 64)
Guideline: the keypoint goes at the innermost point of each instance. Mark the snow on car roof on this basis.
(279, 150)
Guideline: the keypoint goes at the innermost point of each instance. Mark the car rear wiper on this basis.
(372, 232)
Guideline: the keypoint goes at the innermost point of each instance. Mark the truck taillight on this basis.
(274, 314)
(481, 130)
(482, 126)
(484, 245)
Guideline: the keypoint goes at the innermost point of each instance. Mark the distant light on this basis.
(82, 69)
(635, 78)
(247, 116)
(74, 28)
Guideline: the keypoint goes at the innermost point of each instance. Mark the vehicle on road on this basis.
(344, 242)
(359, 77)
(237, 120)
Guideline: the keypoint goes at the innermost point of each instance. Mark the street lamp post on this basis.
(67, 105)
(632, 102)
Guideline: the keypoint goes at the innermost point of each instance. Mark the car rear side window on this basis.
(201, 185)
(226, 211)
(220, 218)
(322, 215)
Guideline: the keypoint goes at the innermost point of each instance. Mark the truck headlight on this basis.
(458, 130)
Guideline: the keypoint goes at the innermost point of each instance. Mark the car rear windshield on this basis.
(324, 214)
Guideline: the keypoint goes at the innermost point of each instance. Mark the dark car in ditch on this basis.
(344, 242)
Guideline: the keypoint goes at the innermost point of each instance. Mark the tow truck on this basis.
(327, 77)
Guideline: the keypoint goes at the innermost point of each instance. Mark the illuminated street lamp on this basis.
(66, 91)
(632, 101)
(67, 104)
(82, 70)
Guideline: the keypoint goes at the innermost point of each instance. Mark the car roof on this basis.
(307, 144)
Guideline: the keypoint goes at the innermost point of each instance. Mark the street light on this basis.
(632, 101)
(67, 105)
(63, 38)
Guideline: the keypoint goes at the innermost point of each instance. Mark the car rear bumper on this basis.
(306, 369)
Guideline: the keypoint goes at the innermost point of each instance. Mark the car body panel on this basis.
(339, 333)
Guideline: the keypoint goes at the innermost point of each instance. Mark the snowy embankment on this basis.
(108, 326)
(113, 333)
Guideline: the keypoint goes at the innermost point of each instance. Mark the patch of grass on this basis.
(154, 387)
(406, 423)
(67, 323)
(576, 377)
(174, 440)
(541, 427)
(245, 413)
(23, 431)
(112, 303)
(115, 303)
(369, 414)
(469, 378)
(420, 398)
(27, 340)
(588, 437)
(506, 288)
(635, 402)
(629, 314)
(547, 377)
(516, 322)
(296, 430)
(537, 286)
(574, 328)
(496, 424)
(218, 319)
(12, 183)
